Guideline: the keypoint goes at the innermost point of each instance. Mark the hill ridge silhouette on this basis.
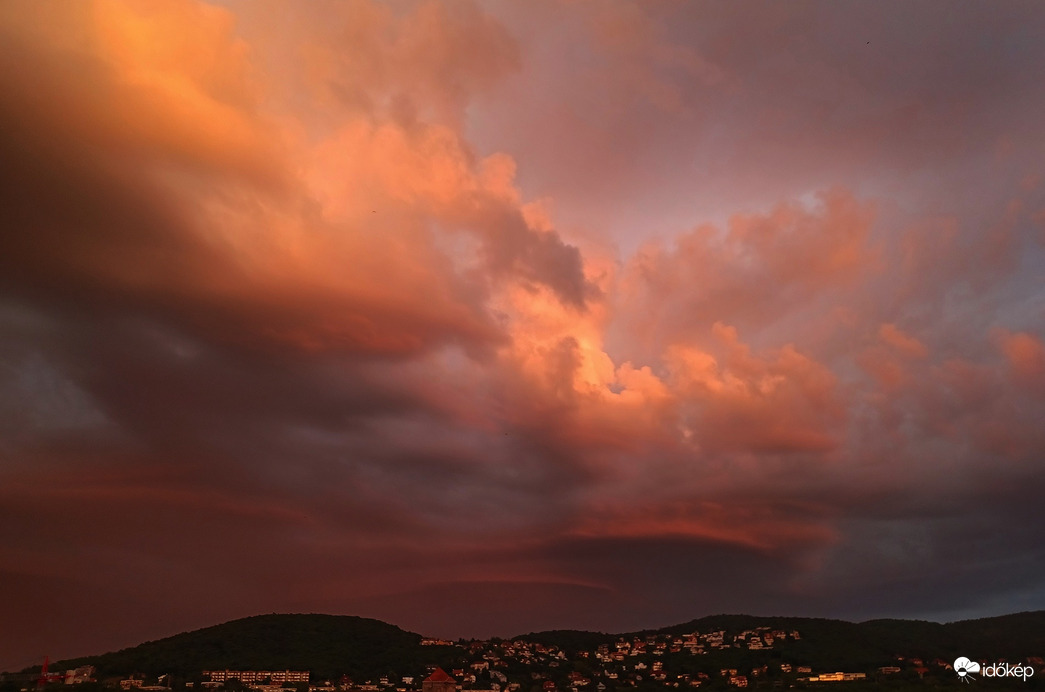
(366, 648)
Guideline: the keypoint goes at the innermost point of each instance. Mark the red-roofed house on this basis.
(439, 681)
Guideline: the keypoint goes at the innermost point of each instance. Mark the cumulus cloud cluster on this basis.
(434, 313)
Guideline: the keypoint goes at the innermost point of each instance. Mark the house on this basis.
(276, 677)
(827, 677)
(439, 681)
(79, 675)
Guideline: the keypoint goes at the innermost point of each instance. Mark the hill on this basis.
(766, 647)
(327, 645)
(836, 644)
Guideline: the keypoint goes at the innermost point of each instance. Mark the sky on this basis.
(489, 317)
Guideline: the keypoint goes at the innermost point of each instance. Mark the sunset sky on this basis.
(487, 317)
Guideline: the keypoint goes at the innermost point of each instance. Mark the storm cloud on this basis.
(482, 318)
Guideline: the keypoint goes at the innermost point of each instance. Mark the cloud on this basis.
(628, 317)
(905, 344)
(1025, 355)
(784, 404)
(179, 188)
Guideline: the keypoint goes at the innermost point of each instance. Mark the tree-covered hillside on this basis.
(838, 645)
(327, 645)
(773, 651)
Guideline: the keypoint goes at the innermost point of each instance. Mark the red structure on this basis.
(46, 677)
(439, 681)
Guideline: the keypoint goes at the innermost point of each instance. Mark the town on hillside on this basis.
(635, 662)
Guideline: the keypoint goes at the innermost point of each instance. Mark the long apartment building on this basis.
(255, 676)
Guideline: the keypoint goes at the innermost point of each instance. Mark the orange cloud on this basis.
(758, 270)
(784, 403)
(1025, 354)
(889, 361)
(905, 344)
(757, 526)
(303, 268)
(383, 235)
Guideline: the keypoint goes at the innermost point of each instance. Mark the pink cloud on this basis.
(1025, 355)
(903, 343)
